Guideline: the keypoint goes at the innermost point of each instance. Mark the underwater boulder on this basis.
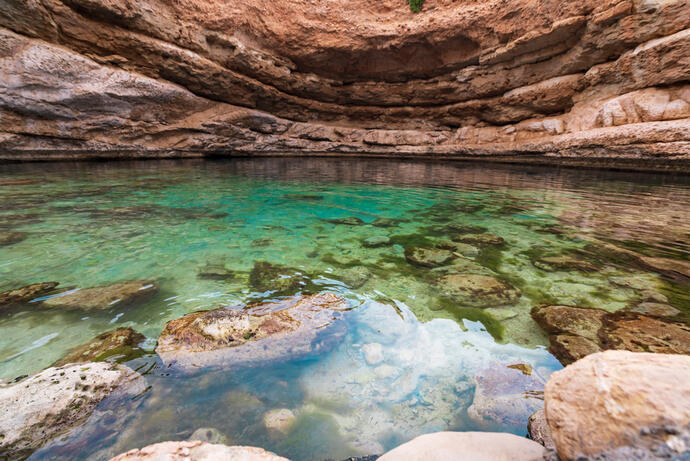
(279, 421)
(10, 238)
(505, 396)
(477, 290)
(121, 344)
(428, 257)
(209, 435)
(258, 333)
(563, 263)
(196, 450)
(354, 277)
(350, 221)
(118, 294)
(571, 320)
(266, 276)
(26, 293)
(376, 241)
(47, 404)
(215, 271)
(653, 309)
(480, 239)
(385, 222)
(463, 249)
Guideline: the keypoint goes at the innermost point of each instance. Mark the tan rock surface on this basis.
(475, 446)
(48, 404)
(257, 333)
(542, 81)
(196, 451)
(612, 403)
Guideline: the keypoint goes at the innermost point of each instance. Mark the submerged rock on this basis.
(475, 446)
(216, 269)
(477, 290)
(428, 257)
(351, 221)
(505, 396)
(258, 333)
(280, 421)
(576, 332)
(47, 404)
(480, 239)
(354, 277)
(10, 238)
(26, 293)
(464, 249)
(197, 451)
(620, 406)
(654, 309)
(119, 294)
(121, 344)
(563, 263)
(272, 277)
(376, 241)
(385, 222)
(209, 435)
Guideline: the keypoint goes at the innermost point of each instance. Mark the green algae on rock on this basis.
(428, 257)
(26, 293)
(258, 333)
(477, 290)
(121, 345)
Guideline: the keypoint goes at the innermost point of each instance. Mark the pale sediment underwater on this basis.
(430, 278)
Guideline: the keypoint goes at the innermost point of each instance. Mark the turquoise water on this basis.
(94, 224)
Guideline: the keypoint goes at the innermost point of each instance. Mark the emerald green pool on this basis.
(90, 224)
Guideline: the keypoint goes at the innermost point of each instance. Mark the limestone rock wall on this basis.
(583, 82)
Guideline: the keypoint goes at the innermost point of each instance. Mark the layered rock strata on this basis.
(578, 82)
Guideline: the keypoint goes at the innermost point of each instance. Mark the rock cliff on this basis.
(587, 82)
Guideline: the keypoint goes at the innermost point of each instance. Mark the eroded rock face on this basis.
(582, 82)
(577, 332)
(50, 403)
(620, 405)
(257, 333)
(196, 451)
(103, 297)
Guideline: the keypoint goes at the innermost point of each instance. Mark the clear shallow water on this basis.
(94, 224)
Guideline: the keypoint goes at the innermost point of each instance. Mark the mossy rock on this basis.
(271, 277)
(428, 257)
(118, 345)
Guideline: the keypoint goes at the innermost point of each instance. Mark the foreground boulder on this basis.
(120, 344)
(460, 446)
(197, 451)
(257, 333)
(103, 297)
(576, 332)
(620, 405)
(50, 403)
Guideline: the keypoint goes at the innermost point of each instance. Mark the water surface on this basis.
(90, 224)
